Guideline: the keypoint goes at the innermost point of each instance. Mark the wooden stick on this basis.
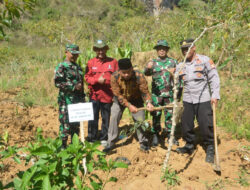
(161, 107)
(82, 139)
(217, 161)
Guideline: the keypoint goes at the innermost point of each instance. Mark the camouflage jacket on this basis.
(162, 81)
(129, 91)
(67, 76)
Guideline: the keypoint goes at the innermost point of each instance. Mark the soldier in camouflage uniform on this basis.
(69, 80)
(161, 70)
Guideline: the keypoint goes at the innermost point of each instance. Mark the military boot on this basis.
(155, 141)
(210, 154)
(187, 149)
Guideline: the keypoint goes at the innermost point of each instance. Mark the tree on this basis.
(11, 9)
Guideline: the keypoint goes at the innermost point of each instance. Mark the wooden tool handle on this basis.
(161, 107)
(217, 161)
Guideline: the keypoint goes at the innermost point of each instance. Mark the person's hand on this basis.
(214, 101)
(132, 109)
(101, 80)
(150, 64)
(78, 86)
(150, 107)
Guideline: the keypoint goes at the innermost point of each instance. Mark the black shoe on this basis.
(210, 154)
(109, 147)
(187, 149)
(175, 141)
(155, 141)
(144, 147)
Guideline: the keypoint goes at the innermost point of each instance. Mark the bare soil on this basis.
(145, 169)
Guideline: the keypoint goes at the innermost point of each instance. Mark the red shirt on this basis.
(95, 68)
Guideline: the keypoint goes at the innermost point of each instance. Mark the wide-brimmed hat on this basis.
(72, 48)
(100, 44)
(163, 43)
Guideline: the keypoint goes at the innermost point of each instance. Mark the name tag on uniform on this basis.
(94, 68)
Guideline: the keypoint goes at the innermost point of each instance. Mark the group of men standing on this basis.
(114, 86)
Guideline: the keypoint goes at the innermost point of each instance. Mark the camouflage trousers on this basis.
(66, 128)
(157, 102)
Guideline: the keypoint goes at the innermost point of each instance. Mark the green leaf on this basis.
(43, 150)
(120, 165)
(16, 12)
(78, 182)
(95, 185)
(90, 166)
(65, 172)
(46, 183)
(114, 179)
(27, 176)
(52, 167)
(75, 140)
(17, 183)
(17, 160)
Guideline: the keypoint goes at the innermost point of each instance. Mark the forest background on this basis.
(33, 45)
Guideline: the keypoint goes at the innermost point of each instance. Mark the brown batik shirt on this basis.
(132, 90)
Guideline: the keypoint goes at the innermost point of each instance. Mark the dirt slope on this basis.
(145, 169)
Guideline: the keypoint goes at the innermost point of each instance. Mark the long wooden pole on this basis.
(82, 139)
(217, 161)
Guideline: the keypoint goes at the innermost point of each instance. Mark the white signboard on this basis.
(80, 112)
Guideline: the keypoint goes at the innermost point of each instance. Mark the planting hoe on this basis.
(216, 165)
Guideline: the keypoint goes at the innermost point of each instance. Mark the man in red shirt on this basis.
(98, 74)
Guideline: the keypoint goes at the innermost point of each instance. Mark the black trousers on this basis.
(93, 125)
(204, 115)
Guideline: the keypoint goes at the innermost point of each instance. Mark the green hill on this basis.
(35, 44)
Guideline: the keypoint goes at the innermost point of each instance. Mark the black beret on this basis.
(124, 64)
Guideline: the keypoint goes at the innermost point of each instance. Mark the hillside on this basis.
(35, 43)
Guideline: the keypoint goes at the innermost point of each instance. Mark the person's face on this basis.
(191, 52)
(126, 74)
(101, 52)
(162, 51)
(71, 57)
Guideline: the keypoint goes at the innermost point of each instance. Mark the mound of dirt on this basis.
(145, 169)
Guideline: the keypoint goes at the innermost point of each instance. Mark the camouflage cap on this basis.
(72, 48)
(186, 43)
(100, 44)
(163, 43)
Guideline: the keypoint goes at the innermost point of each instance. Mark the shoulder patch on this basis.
(211, 63)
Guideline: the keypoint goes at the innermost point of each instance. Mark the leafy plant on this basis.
(126, 52)
(11, 9)
(170, 177)
(54, 168)
(243, 179)
(216, 185)
(144, 125)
